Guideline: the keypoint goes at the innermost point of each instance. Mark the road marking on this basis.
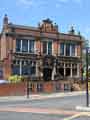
(86, 114)
(72, 117)
(77, 115)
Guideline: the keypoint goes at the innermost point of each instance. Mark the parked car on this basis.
(4, 81)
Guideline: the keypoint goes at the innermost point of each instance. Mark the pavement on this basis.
(40, 96)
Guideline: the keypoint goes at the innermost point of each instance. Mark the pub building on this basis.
(50, 59)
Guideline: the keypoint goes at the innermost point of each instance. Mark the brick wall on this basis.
(37, 87)
(12, 89)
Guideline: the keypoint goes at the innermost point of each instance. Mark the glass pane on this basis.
(50, 48)
(29, 70)
(18, 45)
(67, 49)
(24, 45)
(33, 70)
(62, 49)
(16, 70)
(31, 46)
(44, 47)
(25, 70)
(73, 50)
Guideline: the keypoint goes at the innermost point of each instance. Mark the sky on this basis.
(63, 12)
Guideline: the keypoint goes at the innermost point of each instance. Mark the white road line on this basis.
(72, 117)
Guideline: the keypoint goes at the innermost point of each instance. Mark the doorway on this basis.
(47, 74)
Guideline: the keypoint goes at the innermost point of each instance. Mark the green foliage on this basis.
(84, 74)
(15, 78)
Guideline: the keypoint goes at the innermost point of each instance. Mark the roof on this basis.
(22, 27)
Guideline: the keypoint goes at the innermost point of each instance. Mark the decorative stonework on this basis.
(48, 26)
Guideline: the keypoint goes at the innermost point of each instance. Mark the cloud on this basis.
(57, 5)
(67, 1)
(63, 1)
(26, 3)
(32, 3)
(43, 3)
(78, 1)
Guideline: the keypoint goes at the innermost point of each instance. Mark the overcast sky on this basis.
(64, 12)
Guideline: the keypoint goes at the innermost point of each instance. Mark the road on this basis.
(61, 108)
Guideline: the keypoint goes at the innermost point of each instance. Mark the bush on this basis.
(15, 78)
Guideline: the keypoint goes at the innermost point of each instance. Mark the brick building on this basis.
(42, 53)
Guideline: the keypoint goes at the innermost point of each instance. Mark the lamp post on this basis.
(27, 87)
(87, 91)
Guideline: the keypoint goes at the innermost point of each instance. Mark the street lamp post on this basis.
(28, 87)
(87, 91)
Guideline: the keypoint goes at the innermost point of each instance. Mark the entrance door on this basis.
(47, 74)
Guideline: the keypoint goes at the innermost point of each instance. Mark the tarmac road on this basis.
(55, 108)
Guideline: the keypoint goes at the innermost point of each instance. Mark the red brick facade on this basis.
(44, 32)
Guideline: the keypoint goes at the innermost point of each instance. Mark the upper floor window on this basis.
(67, 49)
(24, 45)
(47, 47)
(18, 45)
